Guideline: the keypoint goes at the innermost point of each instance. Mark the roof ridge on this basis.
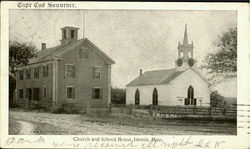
(160, 70)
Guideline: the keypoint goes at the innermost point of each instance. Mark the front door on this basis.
(190, 100)
(155, 97)
(137, 97)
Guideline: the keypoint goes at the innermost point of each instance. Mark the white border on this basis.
(232, 142)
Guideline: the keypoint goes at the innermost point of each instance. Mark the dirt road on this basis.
(26, 128)
(47, 123)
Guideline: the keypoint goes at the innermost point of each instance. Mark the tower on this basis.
(69, 34)
(185, 54)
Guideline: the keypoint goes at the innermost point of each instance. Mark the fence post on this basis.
(130, 109)
(209, 110)
(194, 110)
(150, 110)
(224, 111)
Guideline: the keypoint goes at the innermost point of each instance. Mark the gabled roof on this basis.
(59, 51)
(157, 77)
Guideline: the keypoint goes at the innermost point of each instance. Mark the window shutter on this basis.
(65, 71)
(67, 92)
(93, 93)
(27, 93)
(74, 70)
(100, 93)
(102, 72)
(73, 92)
(93, 72)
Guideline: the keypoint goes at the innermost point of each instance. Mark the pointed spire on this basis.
(185, 39)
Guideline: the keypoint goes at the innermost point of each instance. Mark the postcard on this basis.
(125, 75)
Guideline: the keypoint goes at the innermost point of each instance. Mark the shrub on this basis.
(15, 105)
(216, 99)
(66, 108)
(36, 106)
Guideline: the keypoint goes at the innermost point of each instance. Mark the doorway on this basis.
(155, 97)
(190, 100)
(137, 97)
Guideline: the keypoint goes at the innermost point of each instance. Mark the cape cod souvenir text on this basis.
(45, 5)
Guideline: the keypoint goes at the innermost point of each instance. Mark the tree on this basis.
(224, 60)
(19, 54)
(216, 100)
(118, 96)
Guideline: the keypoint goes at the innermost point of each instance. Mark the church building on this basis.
(182, 85)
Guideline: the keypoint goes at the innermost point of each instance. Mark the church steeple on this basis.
(185, 39)
(185, 53)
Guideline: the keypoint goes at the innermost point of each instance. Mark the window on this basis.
(97, 72)
(70, 92)
(45, 71)
(36, 72)
(96, 93)
(200, 102)
(44, 91)
(137, 97)
(20, 93)
(70, 70)
(28, 73)
(181, 55)
(83, 52)
(36, 94)
(189, 54)
(64, 34)
(72, 33)
(21, 75)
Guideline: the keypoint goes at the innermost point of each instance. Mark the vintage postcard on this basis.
(125, 75)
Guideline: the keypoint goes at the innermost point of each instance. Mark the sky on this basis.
(134, 39)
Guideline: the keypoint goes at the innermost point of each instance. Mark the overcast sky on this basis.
(133, 39)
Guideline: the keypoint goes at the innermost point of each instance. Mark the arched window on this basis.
(181, 54)
(189, 55)
(137, 97)
(190, 92)
(155, 97)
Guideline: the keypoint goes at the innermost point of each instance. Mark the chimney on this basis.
(43, 46)
(140, 72)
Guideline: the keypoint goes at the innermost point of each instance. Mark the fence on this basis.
(178, 111)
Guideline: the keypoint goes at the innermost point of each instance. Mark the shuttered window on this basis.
(21, 75)
(28, 73)
(97, 72)
(83, 52)
(36, 72)
(70, 92)
(96, 93)
(70, 70)
(45, 71)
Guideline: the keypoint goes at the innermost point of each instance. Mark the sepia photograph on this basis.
(122, 72)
